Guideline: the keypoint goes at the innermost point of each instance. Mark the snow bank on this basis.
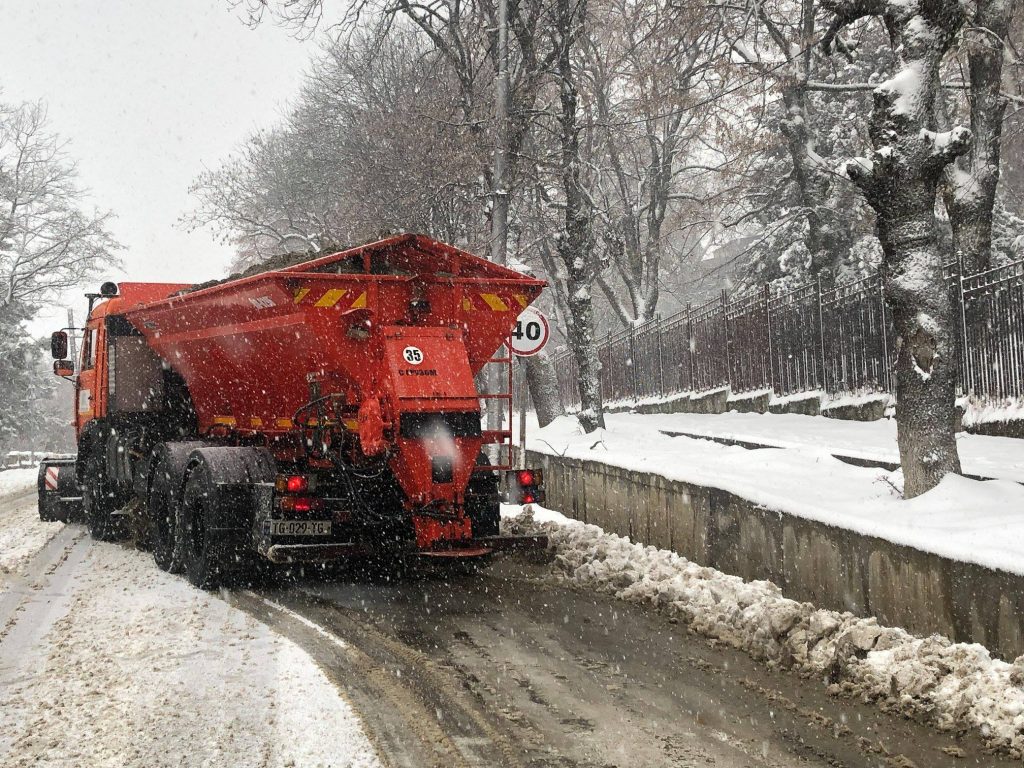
(962, 519)
(953, 685)
(16, 481)
(145, 670)
(991, 411)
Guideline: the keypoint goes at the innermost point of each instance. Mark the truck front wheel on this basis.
(99, 500)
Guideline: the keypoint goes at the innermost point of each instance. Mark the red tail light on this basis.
(300, 504)
(296, 484)
(525, 477)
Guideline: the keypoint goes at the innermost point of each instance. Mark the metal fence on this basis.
(837, 340)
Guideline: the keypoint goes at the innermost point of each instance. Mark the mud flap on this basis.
(60, 498)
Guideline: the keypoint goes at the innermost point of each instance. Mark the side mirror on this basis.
(59, 345)
(63, 368)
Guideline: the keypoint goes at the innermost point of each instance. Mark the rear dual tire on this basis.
(164, 518)
(199, 542)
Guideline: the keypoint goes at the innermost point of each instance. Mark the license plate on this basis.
(300, 527)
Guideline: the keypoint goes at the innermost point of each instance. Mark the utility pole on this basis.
(71, 337)
(500, 191)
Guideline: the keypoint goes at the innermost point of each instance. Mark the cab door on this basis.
(87, 393)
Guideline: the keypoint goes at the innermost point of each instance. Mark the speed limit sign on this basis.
(530, 333)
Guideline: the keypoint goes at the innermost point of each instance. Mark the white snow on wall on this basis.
(962, 519)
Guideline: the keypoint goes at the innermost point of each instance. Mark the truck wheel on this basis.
(99, 500)
(483, 502)
(199, 545)
(163, 517)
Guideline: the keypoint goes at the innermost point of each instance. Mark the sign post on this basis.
(529, 336)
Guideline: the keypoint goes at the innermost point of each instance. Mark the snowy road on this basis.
(105, 660)
(510, 668)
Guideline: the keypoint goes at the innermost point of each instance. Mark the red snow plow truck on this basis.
(306, 414)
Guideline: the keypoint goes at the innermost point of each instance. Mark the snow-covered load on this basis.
(308, 413)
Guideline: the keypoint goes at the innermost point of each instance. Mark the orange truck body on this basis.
(360, 362)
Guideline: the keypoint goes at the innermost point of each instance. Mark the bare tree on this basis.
(899, 181)
(971, 180)
(647, 63)
(372, 146)
(48, 241)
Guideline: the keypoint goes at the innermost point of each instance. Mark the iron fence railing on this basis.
(838, 340)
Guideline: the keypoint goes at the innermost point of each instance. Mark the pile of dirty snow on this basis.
(953, 685)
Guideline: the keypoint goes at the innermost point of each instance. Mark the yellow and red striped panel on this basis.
(494, 302)
(353, 298)
(344, 298)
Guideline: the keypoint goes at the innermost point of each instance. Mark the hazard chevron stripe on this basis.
(337, 297)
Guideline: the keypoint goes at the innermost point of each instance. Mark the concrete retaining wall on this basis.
(830, 567)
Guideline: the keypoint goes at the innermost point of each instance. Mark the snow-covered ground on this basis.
(109, 661)
(953, 685)
(968, 520)
(1000, 458)
(17, 480)
(22, 533)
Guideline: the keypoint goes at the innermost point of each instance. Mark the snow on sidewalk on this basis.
(1000, 458)
(966, 520)
(144, 670)
(15, 481)
(22, 533)
(952, 685)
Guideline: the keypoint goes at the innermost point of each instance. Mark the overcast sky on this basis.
(147, 92)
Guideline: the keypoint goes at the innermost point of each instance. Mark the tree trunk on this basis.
(576, 244)
(584, 350)
(900, 182)
(926, 356)
(543, 385)
(970, 189)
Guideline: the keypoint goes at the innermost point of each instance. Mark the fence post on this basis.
(691, 346)
(821, 334)
(632, 362)
(886, 379)
(725, 323)
(661, 357)
(768, 331)
(965, 363)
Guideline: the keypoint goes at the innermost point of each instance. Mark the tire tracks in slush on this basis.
(510, 668)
